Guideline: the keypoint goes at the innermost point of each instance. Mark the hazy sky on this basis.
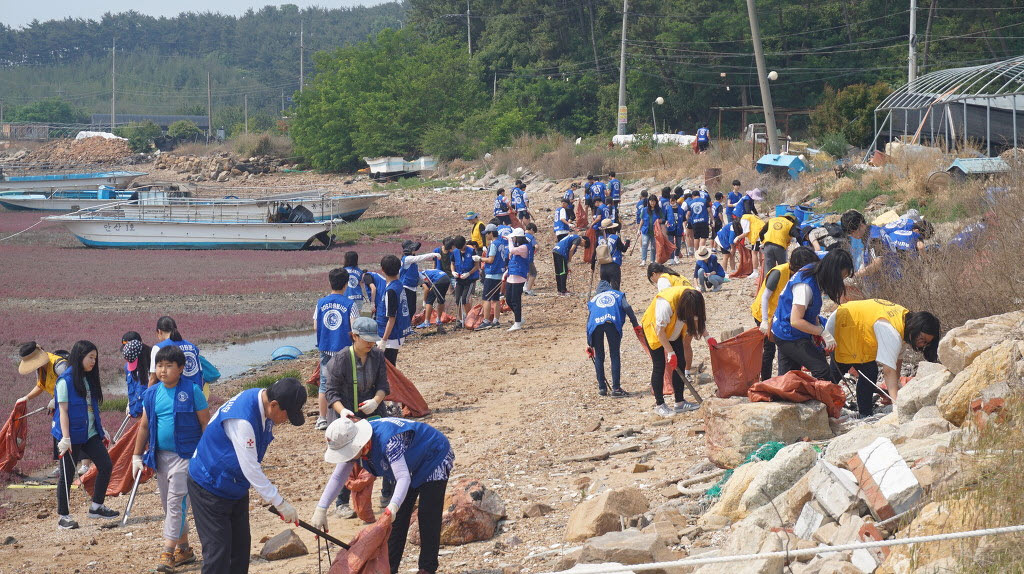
(17, 13)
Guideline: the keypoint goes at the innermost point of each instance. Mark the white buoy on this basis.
(773, 75)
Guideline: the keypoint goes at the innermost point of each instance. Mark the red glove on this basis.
(590, 352)
(639, 330)
(672, 363)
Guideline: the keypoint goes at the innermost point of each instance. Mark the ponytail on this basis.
(167, 325)
(658, 269)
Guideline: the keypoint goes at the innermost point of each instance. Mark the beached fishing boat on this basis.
(68, 181)
(64, 200)
(324, 206)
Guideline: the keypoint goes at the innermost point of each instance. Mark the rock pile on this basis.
(868, 483)
(221, 167)
(68, 152)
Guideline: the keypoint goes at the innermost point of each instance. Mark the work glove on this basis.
(590, 352)
(137, 464)
(319, 520)
(381, 344)
(346, 414)
(287, 512)
(476, 258)
(765, 328)
(51, 406)
(368, 406)
(391, 510)
(436, 256)
(63, 445)
(639, 330)
(671, 363)
(21, 400)
(830, 340)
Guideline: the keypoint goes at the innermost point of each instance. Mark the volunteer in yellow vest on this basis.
(775, 238)
(872, 332)
(664, 277)
(477, 233)
(763, 307)
(752, 226)
(673, 319)
(48, 368)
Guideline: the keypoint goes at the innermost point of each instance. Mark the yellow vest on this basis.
(477, 235)
(778, 231)
(773, 301)
(677, 280)
(650, 326)
(755, 227)
(48, 379)
(855, 328)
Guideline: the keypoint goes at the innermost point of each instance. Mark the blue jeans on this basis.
(646, 242)
(714, 281)
(678, 241)
(324, 359)
(597, 341)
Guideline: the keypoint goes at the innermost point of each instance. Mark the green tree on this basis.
(141, 135)
(850, 112)
(184, 131)
(51, 111)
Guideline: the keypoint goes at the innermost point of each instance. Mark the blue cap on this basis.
(471, 216)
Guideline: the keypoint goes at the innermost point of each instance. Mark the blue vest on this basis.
(518, 199)
(462, 262)
(726, 236)
(333, 323)
(559, 224)
(709, 266)
(733, 197)
(518, 265)
(904, 224)
(355, 284)
(500, 205)
(504, 231)
(570, 194)
(563, 245)
(647, 220)
(698, 210)
(533, 244)
(214, 466)
(428, 449)
(612, 241)
(741, 207)
(135, 390)
(616, 189)
(597, 190)
(434, 275)
(78, 413)
(193, 368)
(716, 210)
(600, 214)
(410, 274)
(901, 240)
(672, 221)
(640, 205)
(703, 134)
(500, 263)
(187, 430)
(403, 321)
(781, 327)
(381, 283)
(605, 307)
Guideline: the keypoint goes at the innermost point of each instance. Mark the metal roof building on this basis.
(948, 108)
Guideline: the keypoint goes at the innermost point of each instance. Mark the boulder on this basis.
(912, 450)
(936, 518)
(997, 364)
(625, 547)
(920, 392)
(735, 426)
(728, 504)
(962, 345)
(922, 428)
(777, 475)
(843, 447)
(285, 545)
(887, 483)
(471, 513)
(748, 539)
(811, 520)
(926, 413)
(834, 488)
(604, 513)
(785, 508)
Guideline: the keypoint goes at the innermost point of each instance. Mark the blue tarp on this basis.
(792, 164)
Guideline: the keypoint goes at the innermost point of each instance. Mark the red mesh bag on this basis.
(736, 363)
(121, 478)
(12, 437)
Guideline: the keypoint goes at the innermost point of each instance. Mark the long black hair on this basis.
(141, 372)
(801, 257)
(690, 310)
(167, 325)
(79, 376)
(829, 273)
(923, 322)
(657, 269)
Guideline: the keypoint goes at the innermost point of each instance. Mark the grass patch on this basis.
(939, 214)
(368, 227)
(415, 183)
(117, 405)
(858, 199)
(267, 380)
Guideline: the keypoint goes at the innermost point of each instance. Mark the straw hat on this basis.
(608, 223)
(32, 358)
(703, 254)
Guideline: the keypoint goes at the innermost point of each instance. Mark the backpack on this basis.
(604, 254)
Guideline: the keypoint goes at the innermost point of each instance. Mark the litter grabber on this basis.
(131, 502)
(120, 430)
(880, 389)
(307, 526)
(39, 410)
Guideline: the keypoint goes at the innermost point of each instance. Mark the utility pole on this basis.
(469, 31)
(622, 115)
(209, 109)
(282, 102)
(113, 84)
(245, 98)
(494, 95)
(912, 55)
(302, 54)
(762, 79)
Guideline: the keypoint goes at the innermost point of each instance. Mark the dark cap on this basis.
(290, 396)
(410, 246)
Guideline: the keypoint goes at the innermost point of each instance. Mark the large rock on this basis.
(936, 518)
(777, 475)
(921, 392)
(886, 481)
(285, 545)
(605, 513)
(626, 547)
(732, 492)
(471, 513)
(735, 426)
(785, 508)
(834, 488)
(922, 428)
(748, 539)
(960, 346)
(997, 364)
(843, 447)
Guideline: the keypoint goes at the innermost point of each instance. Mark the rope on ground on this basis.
(22, 231)
(603, 569)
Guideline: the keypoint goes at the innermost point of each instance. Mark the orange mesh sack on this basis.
(663, 248)
(368, 552)
(736, 363)
(405, 392)
(746, 265)
(360, 482)
(121, 478)
(798, 387)
(12, 438)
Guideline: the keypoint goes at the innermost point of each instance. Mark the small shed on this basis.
(977, 166)
(781, 164)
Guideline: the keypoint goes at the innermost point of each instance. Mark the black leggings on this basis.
(392, 356)
(614, 336)
(514, 298)
(658, 372)
(431, 497)
(561, 272)
(868, 373)
(614, 274)
(463, 289)
(94, 450)
(793, 355)
(767, 356)
(410, 295)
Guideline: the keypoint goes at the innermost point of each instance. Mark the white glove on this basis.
(137, 464)
(287, 512)
(476, 258)
(368, 406)
(319, 520)
(127, 409)
(51, 406)
(381, 344)
(436, 255)
(765, 327)
(392, 509)
(63, 445)
(830, 341)
(345, 413)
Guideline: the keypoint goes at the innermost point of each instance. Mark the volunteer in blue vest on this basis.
(600, 213)
(598, 190)
(531, 276)
(767, 299)
(375, 284)
(900, 244)
(137, 356)
(698, 219)
(79, 431)
(716, 214)
(416, 456)
(501, 207)
(648, 218)
(562, 254)
(708, 272)
(672, 320)
(732, 200)
(355, 282)
(357, 386)
(495, 262)
(609, 237)
(727, 241)
(227, 463)
(641, 205)
(167, 334)
(466, 270)
(436, 284)
(872, 332)
(746, 205)
(798, 320)
(608, 311)
(570, 194)
(520, 253)
(173, 418)
(394, 321)
(703, 138)
(674, 227)
(520, 202)
(564, 220)
(332, 320)
(614, 190)
(411, 271)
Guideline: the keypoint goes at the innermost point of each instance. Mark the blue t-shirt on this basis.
(164, 411)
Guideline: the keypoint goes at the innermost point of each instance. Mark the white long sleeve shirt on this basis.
(243, 439)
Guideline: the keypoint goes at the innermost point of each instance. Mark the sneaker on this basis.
(619, 393)
(344, 511)
(66, 523)
(422, 325)
(321, 423)
(603, 392)
(103, 512)
(166, 562)
(83, 468)
(531, 293)
(184, 556)
(515, 327)
(663, 410)
(485, 325)
(685, 407)
(54, 473)
(440, 329)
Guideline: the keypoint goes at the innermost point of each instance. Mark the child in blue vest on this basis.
(410, 273)
(167, 332)
(394, 321)
(495, 262)
(716, 213)
(608, 311)
(708, 272)
(466, 270)
(641, 204)
(674, 227)
(174, 416)
(501, 207)
(726, 242)
(375, 284)
(520, 254)
(562, 254)
(79, 431)
(227, 463)
(614, 189)
(137, 356)
(733, 199)
(436, 284)
(416, 456)
(531, 277)
(355, 283)
(332, 320)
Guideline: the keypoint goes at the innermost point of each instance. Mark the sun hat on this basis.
(32, 357)
(470, 216)
(345, 438)
(366, 329)
(608, 223)
(290, 395)
(130, 351)
(756, 194)
(703, 254)
(518, 232)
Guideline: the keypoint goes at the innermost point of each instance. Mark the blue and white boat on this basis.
(323, 205)
(68, 181)
(64, 200)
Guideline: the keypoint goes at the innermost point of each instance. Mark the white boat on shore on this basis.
(63, 200)
(68, 181)
(324, 206)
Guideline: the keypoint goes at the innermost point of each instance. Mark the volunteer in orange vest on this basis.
(872, 332)
(673, 319)
(763, 307)
(775, 238)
